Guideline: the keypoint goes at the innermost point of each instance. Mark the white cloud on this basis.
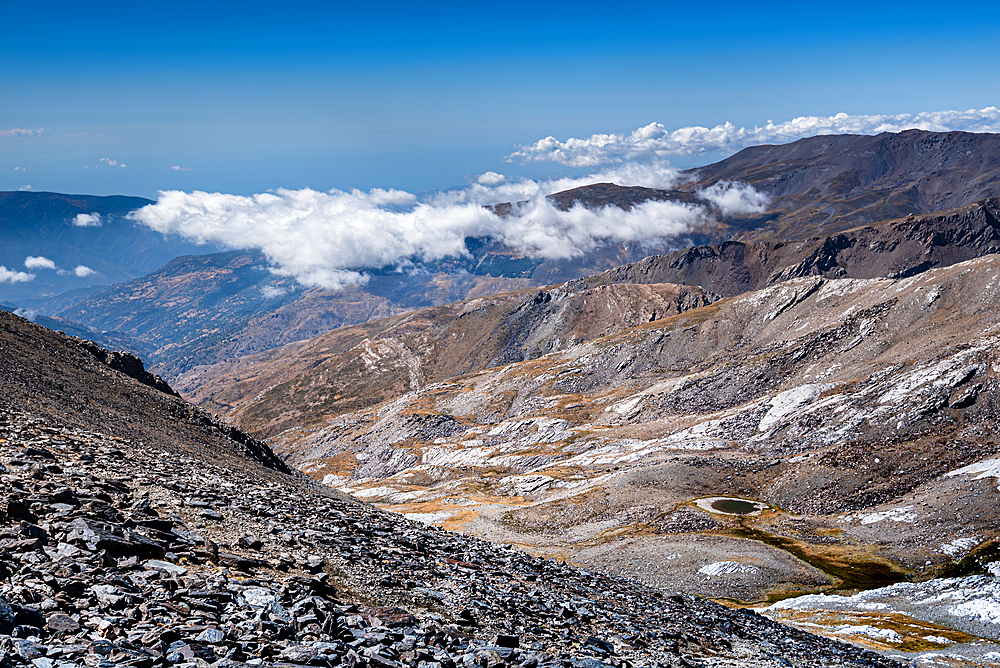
(491, 179)
(112, 163)
(655, 175)
(87, 220)
(272, 291)
(22, 132)
(39, 262)
(83, 271)
(11, 276)
(27, 314)
(327, 238)
(24, 188)
(655, 142)
(178, 168)
(20, 169)
(734, 199)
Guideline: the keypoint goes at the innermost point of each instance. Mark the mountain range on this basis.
(825, 184)
(794, 410)
(75, 231)
(209, 308)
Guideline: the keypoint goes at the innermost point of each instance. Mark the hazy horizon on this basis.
(247, 98)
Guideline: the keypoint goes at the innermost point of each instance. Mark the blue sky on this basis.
(250, 96)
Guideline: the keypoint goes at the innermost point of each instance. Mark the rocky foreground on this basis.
(116, 553)
(111, 555)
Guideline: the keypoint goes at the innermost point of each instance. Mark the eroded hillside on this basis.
(360, 366)
(856, 416)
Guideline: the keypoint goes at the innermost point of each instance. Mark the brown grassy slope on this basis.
(355, 367)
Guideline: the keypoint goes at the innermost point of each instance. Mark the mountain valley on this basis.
(194, 546)
(792, 413)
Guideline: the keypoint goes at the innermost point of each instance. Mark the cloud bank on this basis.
(326, 239)
(654, 142)
(11, 276)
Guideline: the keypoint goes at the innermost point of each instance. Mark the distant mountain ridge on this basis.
(209, 308)
(825, 184)
(115, 249)
(895, 249)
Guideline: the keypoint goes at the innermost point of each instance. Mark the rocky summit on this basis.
(158, 539)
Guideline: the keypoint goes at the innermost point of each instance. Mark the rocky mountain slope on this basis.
(49, 225)
(313, 381)
(305, 383)
(78, 384)
(113, 340)
(825, 184)
(855, 419)
(134, 533)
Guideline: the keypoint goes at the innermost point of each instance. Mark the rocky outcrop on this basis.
(128, 364)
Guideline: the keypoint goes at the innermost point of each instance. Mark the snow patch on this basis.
(902, 514)
(371, 492)
(958, 546)
(988, 468)
(429, 518)
(970, 604)
(985, 609)
(727, 567)
(787, 403)
(874, 632)
(334, 480)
